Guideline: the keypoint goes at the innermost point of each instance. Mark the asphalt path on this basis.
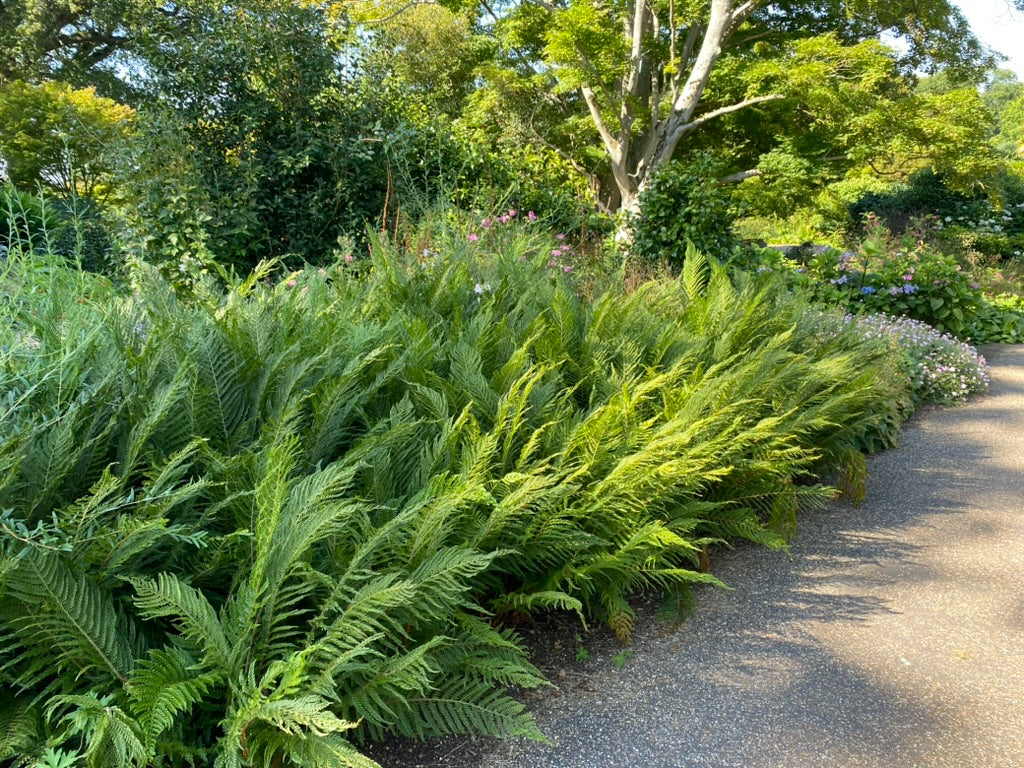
(891, 635)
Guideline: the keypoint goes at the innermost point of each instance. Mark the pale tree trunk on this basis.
(634, 158)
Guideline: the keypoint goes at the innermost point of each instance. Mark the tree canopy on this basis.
(321, 107)
(648, 78)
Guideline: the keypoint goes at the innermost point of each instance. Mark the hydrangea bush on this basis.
(898, 276)
(902, 276)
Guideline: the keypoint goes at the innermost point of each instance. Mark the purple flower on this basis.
(867, 290)
(486, 223)
(567, 269)
(556, 252)
(531, 215)
(909, 288)
(894, 291)
(560, 236)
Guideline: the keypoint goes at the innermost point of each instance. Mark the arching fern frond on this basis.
(65, 622)
(164, 686)
(190, 612)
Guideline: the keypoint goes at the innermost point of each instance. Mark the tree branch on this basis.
(399, 12)
(707, 117)
(613, 147)
(736, 178)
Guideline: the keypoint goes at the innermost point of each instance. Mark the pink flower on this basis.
(474, 237)
(556, 252)
(291, 283)
(531, 215)
(552, 264)
(322, 272)
(348, 258)
(503, 219)
(567, 269)
(560, 236)
(511, 213)
(486, 223)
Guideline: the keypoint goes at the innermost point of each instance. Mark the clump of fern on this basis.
(262, 526)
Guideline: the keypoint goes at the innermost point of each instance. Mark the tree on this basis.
(75, 41)
(646, 74)
(60, 137)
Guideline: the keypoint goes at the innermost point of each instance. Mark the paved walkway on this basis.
(893, 637)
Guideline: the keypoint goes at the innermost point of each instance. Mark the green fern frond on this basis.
(312, 751)
(190, 612)
(164, 686)
(677, 604)
(382, 700)
(110, 736)
(20, 727)
(65, 621)
(536, 602)
(466, 706)
(742, 523)
(696, 273)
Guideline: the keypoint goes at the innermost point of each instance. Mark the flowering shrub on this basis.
(940, 368)
(897, 276)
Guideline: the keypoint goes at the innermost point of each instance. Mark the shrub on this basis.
(684, 204)
(899, 276)
(69, 228)
(261, 526)
(999, 319)
(941, 370)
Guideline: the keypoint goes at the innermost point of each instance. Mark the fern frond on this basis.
(536, 602)
(164, 686)
(20, 727)
(467, 706)
(65, 621)
(696, 273)
(110, 735)
(189, 611)
(312, 751)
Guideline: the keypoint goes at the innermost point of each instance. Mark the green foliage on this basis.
(684, 206)
(999, 319)
(906, 276)
(898, 276)
(59, 137)
(72, 228)
(261, 526)
(857, 118)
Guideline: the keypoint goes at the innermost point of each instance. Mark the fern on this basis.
(193, 616)
(63, 622)
(466, 706)
(111, 736)
(165, 686)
